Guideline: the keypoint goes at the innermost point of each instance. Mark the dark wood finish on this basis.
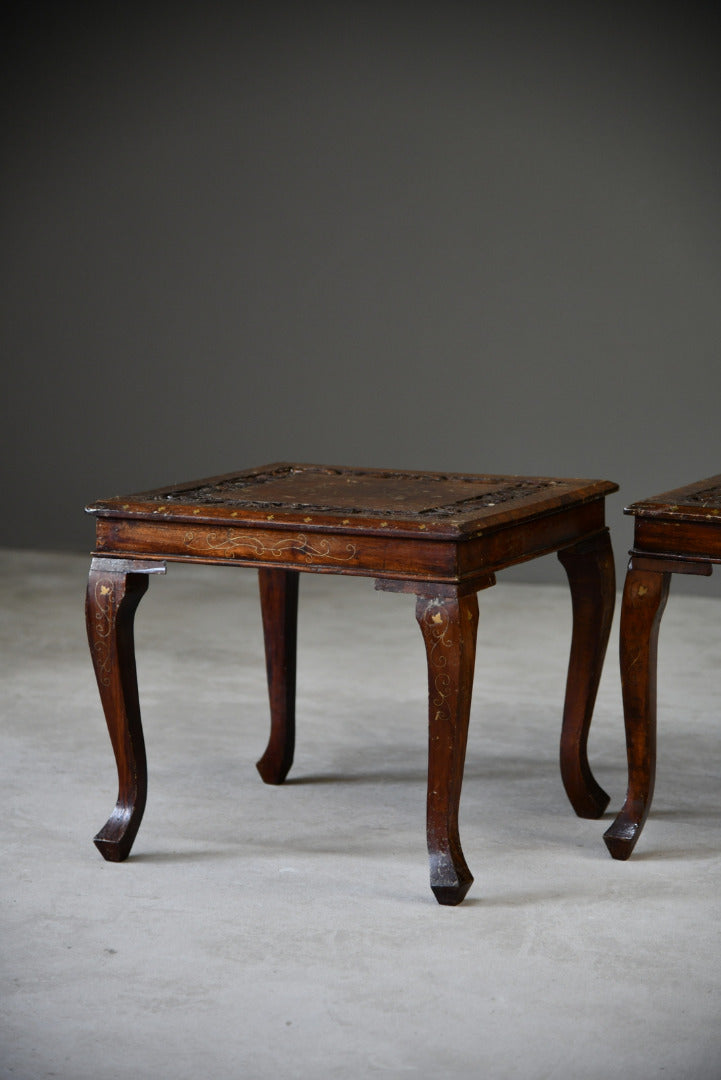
(366, 500)
(449, 625)
(644, 599)
(441, 536)
(115, 588)
(420, 526)
(279, 606)
(592, 579)
(677, 532)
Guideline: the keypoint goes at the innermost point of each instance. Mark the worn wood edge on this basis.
(134, 559)
(434, 587)
(670, 504)
(137, 507)
(670, 563)
(126, 564)
(454, 531)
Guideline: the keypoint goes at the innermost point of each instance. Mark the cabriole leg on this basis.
(644, 599)
(115, 588)
(449, 625)
(591, 576)
(279, 606)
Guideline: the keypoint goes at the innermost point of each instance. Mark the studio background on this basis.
(456, 236)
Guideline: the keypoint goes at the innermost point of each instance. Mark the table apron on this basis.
(699, 540)
(533, 538)
(307, 550)
(418, 559)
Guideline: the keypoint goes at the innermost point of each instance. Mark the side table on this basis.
(440, 536)
(678, 532)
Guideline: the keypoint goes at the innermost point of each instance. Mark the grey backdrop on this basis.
(459, 236)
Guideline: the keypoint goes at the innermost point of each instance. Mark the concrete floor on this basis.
(290, 932)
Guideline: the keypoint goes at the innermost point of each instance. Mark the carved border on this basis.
(241, 491)
(710, 496)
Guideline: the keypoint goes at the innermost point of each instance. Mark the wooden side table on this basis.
(439, 536)
(678, 532)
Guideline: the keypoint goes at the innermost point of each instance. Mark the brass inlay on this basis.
(300, 545)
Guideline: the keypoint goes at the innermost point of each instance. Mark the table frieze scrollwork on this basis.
(262, 547)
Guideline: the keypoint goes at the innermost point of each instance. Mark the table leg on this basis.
(449, 624)
(591, 576)
(115, 588)
(644, 599)
(279, 606)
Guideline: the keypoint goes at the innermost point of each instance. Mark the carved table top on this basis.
(408, 526)
(698, 502)
(284, 495)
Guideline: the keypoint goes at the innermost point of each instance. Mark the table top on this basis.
(283, 495)
(697, 502)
